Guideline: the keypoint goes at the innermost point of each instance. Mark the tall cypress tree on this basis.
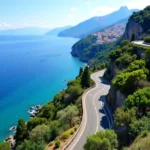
(81, 71)
(85, 79)
(133, 37)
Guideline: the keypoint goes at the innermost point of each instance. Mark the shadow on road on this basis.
(104, 81)
(104, 121)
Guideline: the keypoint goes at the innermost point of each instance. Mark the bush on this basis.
(57, 144)
(66, 135)
(144, 133)
(72, 132)
(147, 39)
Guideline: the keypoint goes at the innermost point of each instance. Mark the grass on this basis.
(142, 142)
(64, 138)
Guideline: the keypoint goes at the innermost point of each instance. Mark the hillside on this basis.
(95, 48)
(25, 31)
(56, 31)
(139, 24)
(97, 23)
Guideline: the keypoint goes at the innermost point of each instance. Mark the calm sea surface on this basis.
(32, 71)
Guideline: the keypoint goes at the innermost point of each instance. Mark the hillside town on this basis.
(110, 34)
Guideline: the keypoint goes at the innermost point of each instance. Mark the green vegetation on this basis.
(55, 118)
(124, 117)
(30, 145)
(86, 80)
(21, 132)
(103, 140)
(88, 50)
(139, 99)
(147, 39)
(67, 115)
(138, 126)
(141, 142)
(4, 146)
(57, 144)
(142, 17)
(131, 78)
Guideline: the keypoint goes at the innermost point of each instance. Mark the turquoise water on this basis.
(32, 71)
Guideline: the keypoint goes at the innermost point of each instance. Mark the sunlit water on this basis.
(32, 71)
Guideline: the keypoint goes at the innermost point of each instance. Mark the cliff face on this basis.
(133, 27)
(115, 99)
(139, 24)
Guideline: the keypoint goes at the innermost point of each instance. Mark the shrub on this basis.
(57, 144)
(66, 135)
(144, 133)
(72, 131)
(147, 39)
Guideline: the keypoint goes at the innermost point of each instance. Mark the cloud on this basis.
(102, 10)
(73, 9)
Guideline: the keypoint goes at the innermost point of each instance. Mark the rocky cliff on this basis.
(139, 24)
(133, 27)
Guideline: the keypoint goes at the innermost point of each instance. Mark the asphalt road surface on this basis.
(96, 113)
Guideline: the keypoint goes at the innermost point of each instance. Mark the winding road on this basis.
(96, 113)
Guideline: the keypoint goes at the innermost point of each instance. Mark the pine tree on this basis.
(133, 37)
(85, 79)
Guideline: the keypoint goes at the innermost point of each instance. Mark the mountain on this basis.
(94, 48)
(25, 31)
(139, 24)
(88, 26)
(57, 30)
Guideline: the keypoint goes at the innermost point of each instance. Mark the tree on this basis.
(35, 122)
(39, 133)
(139, 99)
(103, 140)
(133, 37)
(4, 146)
(124, 117)
(21, 131)
(47, 111)
(138, 126)
(85, 79)
(67, 115)
(30, 145)
(128, 82)
(80, 72)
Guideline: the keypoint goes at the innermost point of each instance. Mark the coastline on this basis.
(41, 89)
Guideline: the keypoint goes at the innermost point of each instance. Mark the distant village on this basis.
(110, 34)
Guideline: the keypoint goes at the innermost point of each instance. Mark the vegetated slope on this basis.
(95, 48)
(97, 23)
(129, 96)
(139, 24)
(55, 31)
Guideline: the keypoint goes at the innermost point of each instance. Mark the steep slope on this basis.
(97, 23)
(94, 48)
(25, 31)
(55, 31)
(139, 24)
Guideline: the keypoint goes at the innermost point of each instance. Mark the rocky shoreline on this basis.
(33, 111)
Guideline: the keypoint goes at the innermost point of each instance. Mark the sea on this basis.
(32, 70)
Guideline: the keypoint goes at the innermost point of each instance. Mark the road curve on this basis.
(141, 43)
(96, 114)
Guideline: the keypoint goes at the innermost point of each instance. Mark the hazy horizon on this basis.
(46, 14)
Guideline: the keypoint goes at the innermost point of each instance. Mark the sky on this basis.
(58, 13)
